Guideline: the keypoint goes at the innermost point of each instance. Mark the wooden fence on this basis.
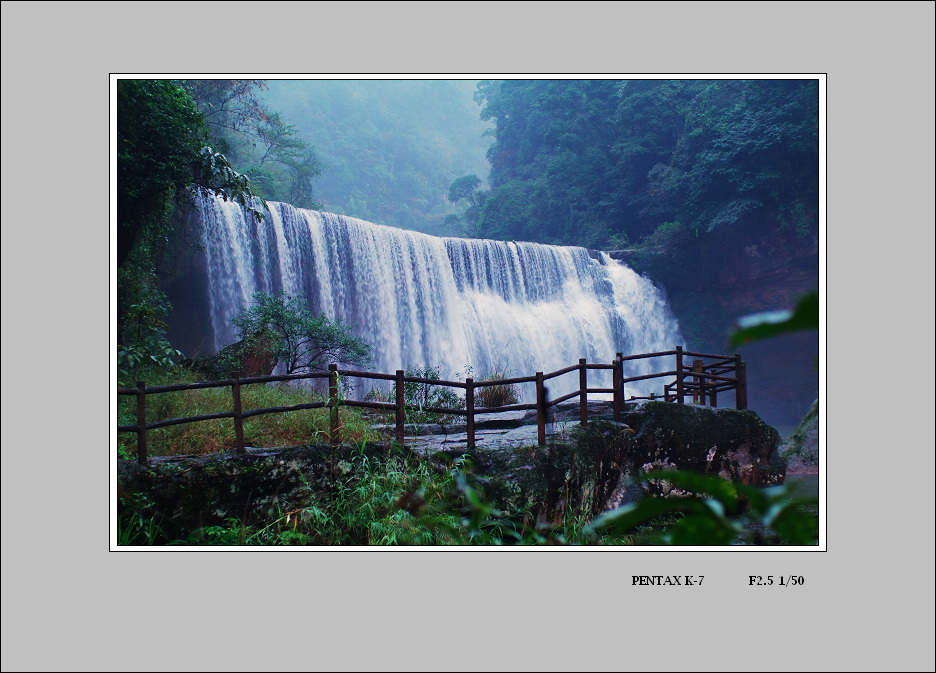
(701, 380)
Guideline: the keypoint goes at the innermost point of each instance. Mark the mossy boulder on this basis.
(734, 444)
(801, 450)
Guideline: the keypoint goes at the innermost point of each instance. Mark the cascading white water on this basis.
(443, 302)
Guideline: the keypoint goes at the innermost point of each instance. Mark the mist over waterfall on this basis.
(446, 302)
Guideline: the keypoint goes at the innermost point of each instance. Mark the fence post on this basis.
(141, 422)
(540, 410)
(741, 383)
(679, 375)
(617, 376)
(698, 397)
(469, 407)
(583, 392)
(400, 403)
(238, 421)
(333, 403)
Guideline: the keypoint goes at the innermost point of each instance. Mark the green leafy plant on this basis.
(427, 395)
(714, 511)
(302, 341)
(400, 499)
(804, 316)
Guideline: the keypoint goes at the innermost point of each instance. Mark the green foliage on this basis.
(162, 151)
(160, 134)
(397, 500)
(465, 187)
(421, 395)
(402, 498)
(136, 522)
(718, 512)
(427, 395)
(805, 316)
(213, 436)
(617, 242)
(162, 156)
(500, 394)
(281, 164)
(302, 341)
(578, 162)
(228, 105)
(288, 166)
(141, 332)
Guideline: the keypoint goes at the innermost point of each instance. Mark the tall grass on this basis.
(212, 436)
(397, 500)
(500, 394)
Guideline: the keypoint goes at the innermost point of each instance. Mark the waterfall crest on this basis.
(431, 301)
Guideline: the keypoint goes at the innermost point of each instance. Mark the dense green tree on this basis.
(229, 106)
(162, 156)
(162, 153)
(300, 340)
(610, 161)
(280, 163)
(287, 166)
(467, 187)
(160, 134)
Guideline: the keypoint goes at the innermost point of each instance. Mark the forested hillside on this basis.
(606, 163)
(389, 148)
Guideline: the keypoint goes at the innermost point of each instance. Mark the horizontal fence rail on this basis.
(700, 380)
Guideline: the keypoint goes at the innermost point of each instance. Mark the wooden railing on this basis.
(700, 380)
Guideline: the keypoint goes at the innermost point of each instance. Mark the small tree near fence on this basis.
(284, 326)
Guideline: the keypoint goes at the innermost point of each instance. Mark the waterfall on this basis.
(444, 302)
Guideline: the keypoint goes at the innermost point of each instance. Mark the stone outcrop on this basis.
(801, 450)
(734, 444)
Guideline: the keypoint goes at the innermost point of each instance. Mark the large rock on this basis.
(734, 444)
(801, 450)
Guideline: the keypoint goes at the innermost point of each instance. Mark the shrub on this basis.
(497, 395)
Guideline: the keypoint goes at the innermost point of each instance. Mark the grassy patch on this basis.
(211, 436)
(500, 394)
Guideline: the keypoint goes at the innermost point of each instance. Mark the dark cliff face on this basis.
(713, 283)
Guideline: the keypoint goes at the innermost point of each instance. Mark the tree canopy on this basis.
(602, 162)
(282, 165)
(163, 154)
(300, 340)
